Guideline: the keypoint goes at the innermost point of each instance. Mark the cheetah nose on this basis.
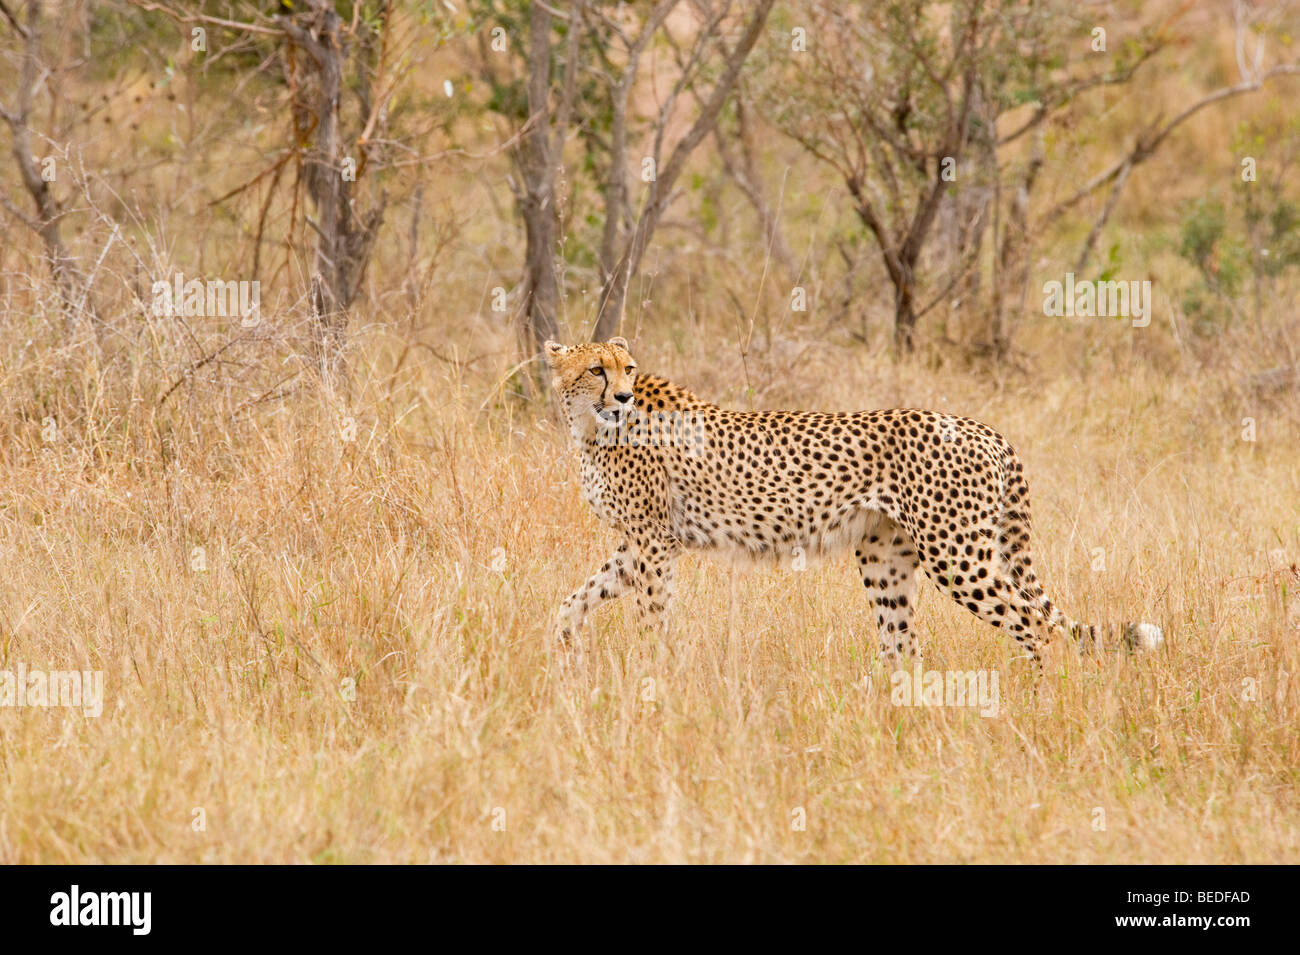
(623, 397)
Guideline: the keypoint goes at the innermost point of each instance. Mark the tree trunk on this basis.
(614, 293)
(1012, 282)
(537, 200)
(71, 284)
(905, 308)
(344, 239)
(613, 266)
(964, 217)
(744, 172)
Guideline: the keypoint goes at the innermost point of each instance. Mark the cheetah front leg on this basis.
(888, 560)
(652, 572)
(608, 583)
(644, 564)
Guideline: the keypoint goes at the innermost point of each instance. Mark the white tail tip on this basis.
(1145, 637)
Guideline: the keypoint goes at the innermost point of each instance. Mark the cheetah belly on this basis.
(750, 516)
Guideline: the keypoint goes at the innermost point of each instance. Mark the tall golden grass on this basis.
(423, 558)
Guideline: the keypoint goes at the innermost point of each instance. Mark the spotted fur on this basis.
(903, 489)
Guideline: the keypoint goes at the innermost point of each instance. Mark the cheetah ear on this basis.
(621, 343)
(554, 352)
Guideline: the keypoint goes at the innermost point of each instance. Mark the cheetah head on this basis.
(594, 382)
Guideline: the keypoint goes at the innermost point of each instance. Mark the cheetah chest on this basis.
(595, 487)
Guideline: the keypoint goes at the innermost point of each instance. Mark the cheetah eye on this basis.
(631, 368)
(597, 370)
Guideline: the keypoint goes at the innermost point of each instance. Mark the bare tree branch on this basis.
(613, 296)
(1151, 138)
(70, 282)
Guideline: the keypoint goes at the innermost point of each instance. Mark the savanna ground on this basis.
(324, 616)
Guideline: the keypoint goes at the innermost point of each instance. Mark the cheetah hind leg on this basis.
(887, 561)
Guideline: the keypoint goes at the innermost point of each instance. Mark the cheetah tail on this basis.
(1133, 636)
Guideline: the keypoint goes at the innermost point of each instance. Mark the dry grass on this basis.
(424, 559)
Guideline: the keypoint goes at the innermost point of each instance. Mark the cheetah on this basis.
(903, 488)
